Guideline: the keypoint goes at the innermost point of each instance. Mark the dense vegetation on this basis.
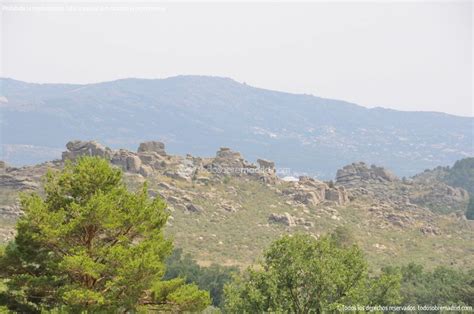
(470, 208)
(300, 274)
(461, 174)
(91, 245)
(442, 286)
(212, 278)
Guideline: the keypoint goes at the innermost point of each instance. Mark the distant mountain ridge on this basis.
(198, 114)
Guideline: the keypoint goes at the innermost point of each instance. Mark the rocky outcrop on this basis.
(13, 182)
(422, 190)
(150, 155)
(86, 148)
(285, 219)
(288, 220)
(226, 154)
(430, 230)
(337, 194)
(266, 164)
(194, 208)
(12, 211)
(311, 192)
(229, 162)
(352, 174)
(127, 160)
(438, 196)
(152, 147)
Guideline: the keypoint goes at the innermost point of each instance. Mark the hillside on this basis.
(225, 209)
(306, 134)
(461, 174)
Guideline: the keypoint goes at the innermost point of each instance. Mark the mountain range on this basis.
(198, 114)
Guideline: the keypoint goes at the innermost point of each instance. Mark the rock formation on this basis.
(150, 155)
(152, 147)
(312, 192)
(266, 164)
(356, 172)
(226, 190)
(285, 219)
(11, 211)
(420, 191)
(288, 220)
(229, 162)
(85, 148)
(16, 183)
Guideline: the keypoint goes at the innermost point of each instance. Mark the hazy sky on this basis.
(405, 55)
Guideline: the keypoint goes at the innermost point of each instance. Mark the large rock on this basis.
(153, 159)
(152, 146)
(285, 219)
(17, 183)
(194, 208)
(228, 162)
(128, 161)
(337, 194)
(356, 172)
(266, 164)
(225, 153)
(311, 198)
(133, 163)
(10, 211)
(145, 170)
(430, 230)
(312, 192)
(86, 148)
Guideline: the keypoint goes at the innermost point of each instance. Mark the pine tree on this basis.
(90, 244)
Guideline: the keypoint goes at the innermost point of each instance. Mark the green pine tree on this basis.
(92, 245)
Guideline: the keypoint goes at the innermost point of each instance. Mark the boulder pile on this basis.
(408, 193)
(288, 220)
(309, 191)
(352, 174)
(76, 149)
(231, 163)
(149, 156)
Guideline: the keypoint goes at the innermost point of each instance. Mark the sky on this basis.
(401, 55)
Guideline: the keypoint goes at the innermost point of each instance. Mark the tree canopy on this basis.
(211, 278)
(300, 274)
(90, 244)
(462, 174)
(470, 208)
(442, 285)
